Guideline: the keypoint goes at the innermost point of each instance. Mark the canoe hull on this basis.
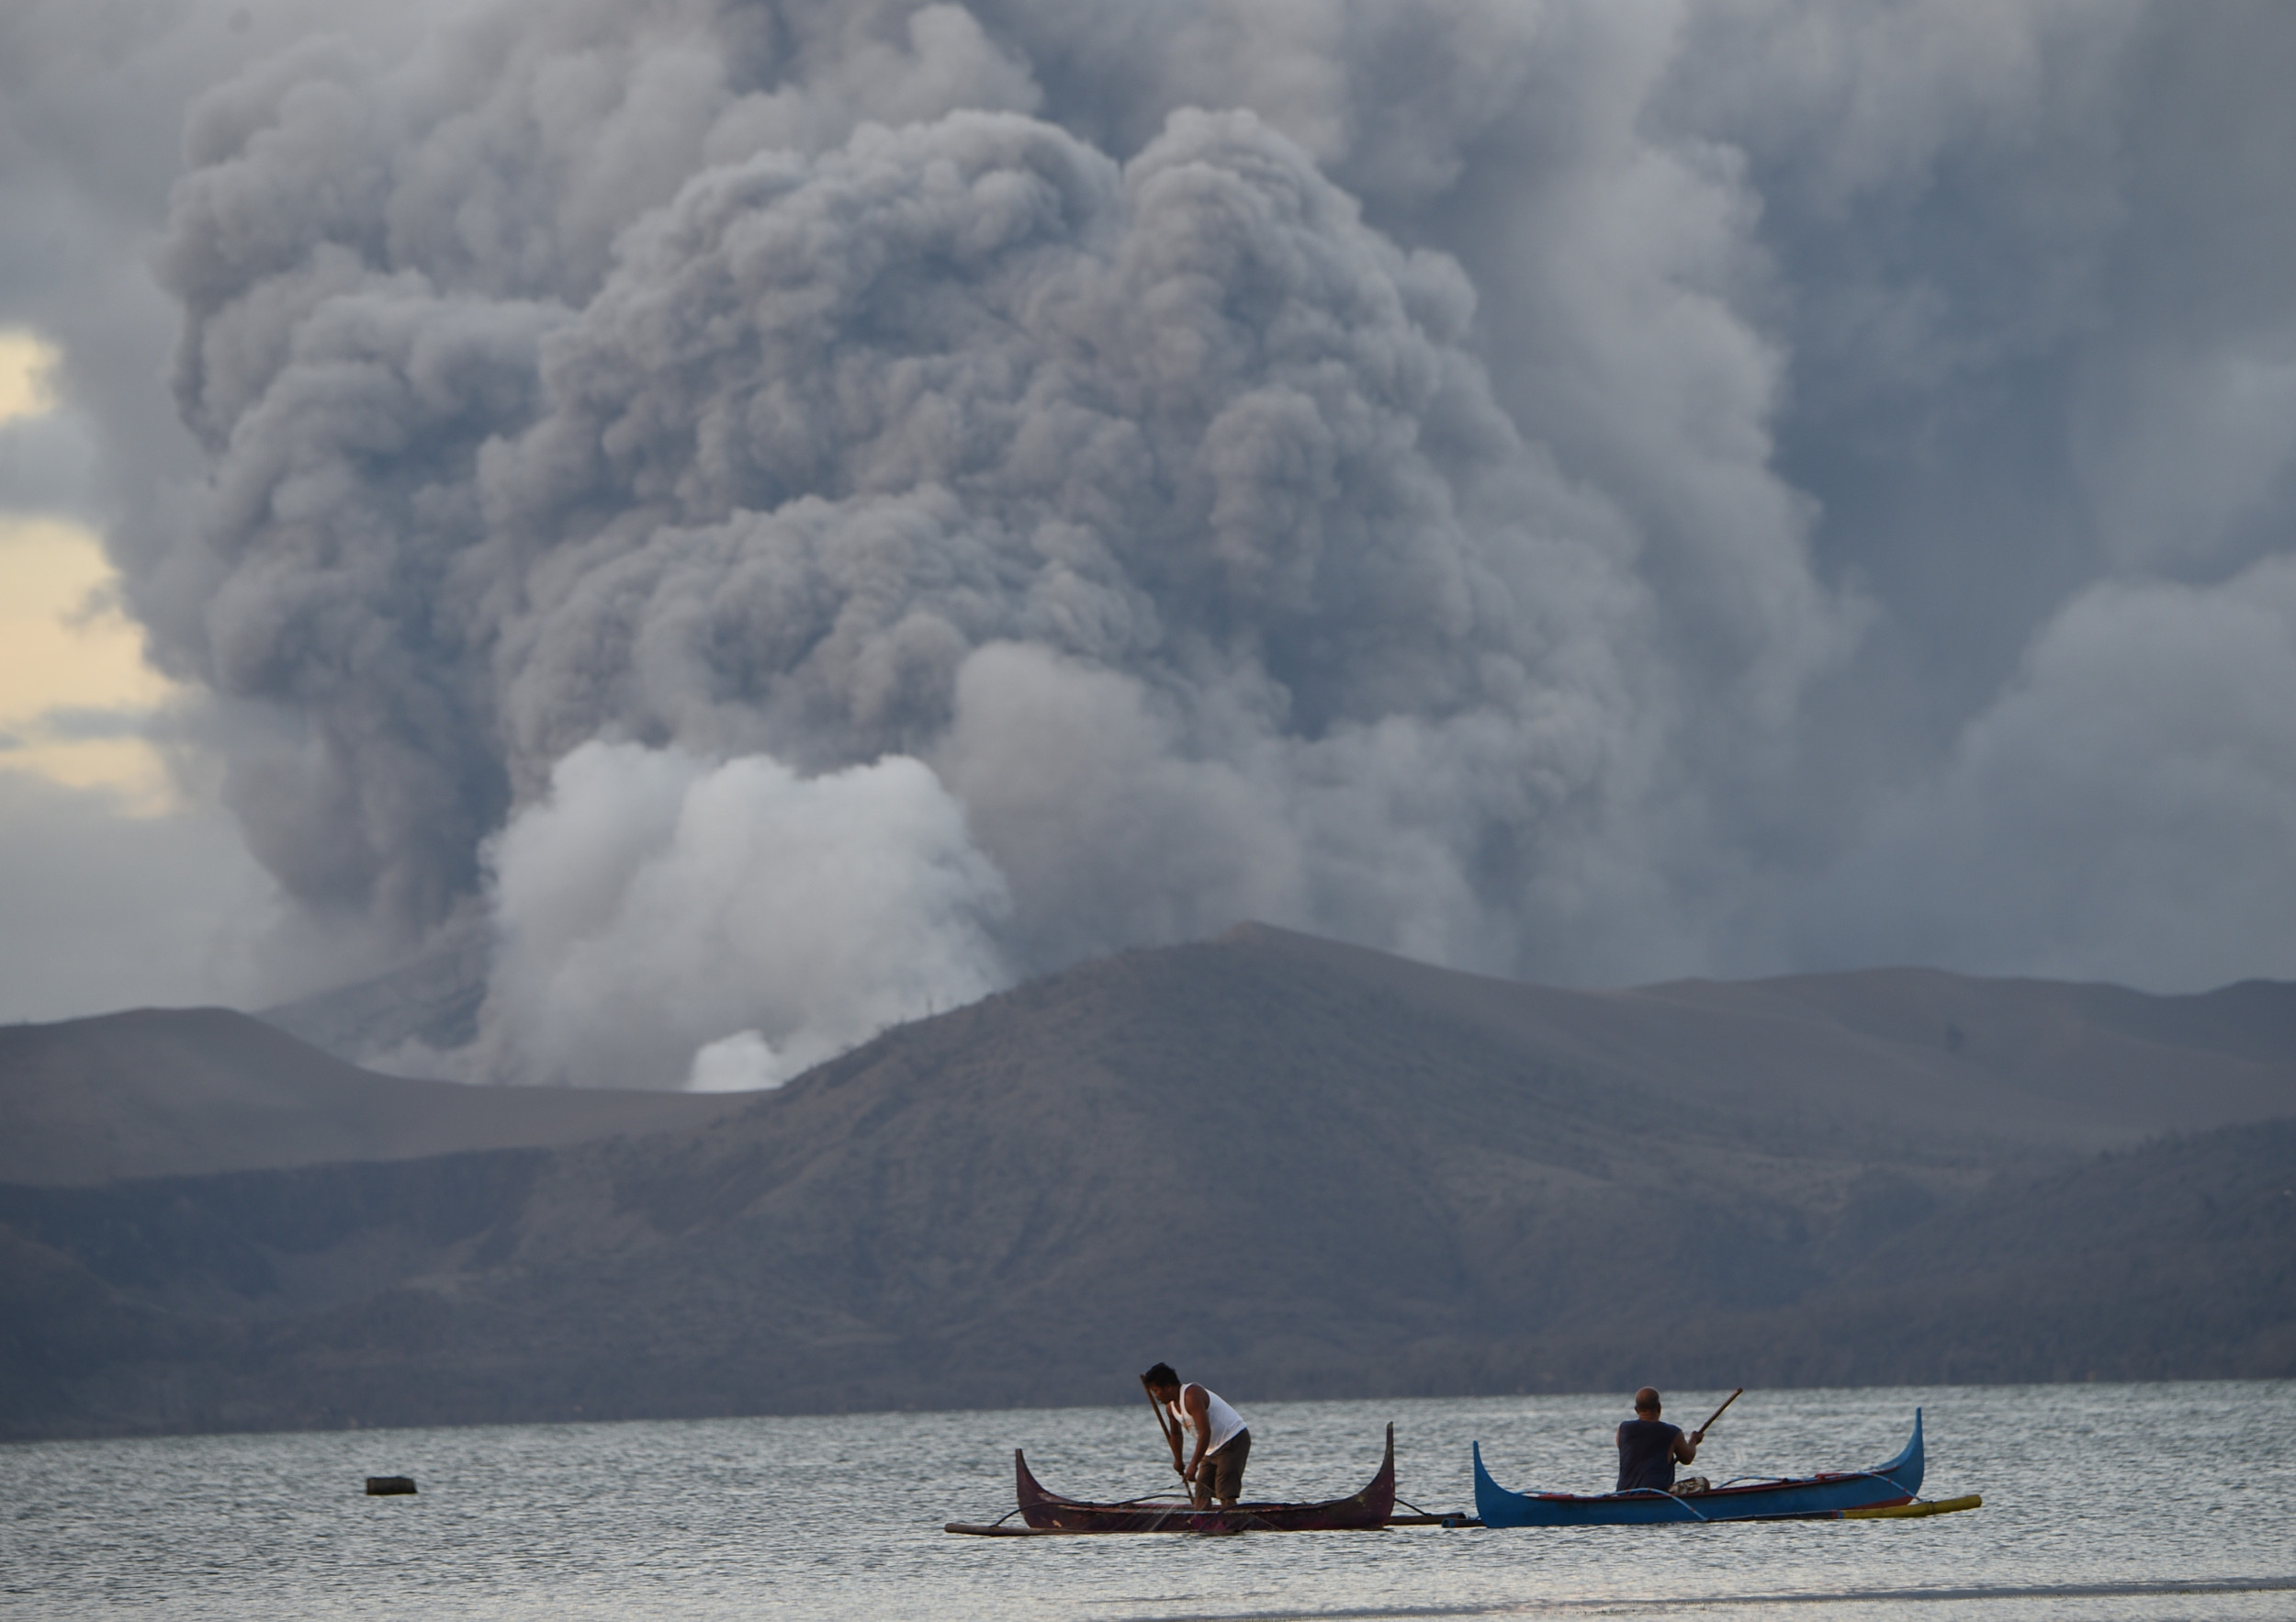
(1049, 1512)
(1826, 1495)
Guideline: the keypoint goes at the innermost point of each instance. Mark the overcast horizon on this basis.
(782, 516)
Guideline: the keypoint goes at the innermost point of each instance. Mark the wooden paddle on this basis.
(1168, 1432)
(1734, 1396)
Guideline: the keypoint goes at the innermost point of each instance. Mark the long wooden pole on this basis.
(1733, 1397)
(1164, 1430)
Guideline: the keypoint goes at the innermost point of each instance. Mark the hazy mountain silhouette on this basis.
(432, 1000)
(164, 1092)
(1309, 1168)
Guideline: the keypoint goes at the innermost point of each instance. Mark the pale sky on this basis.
(74, 688)
(118, 888)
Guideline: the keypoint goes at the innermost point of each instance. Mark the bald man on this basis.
(1649, 1448)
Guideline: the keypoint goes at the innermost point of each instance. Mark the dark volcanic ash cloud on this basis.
(795, 514)
(939, 552)
(1156, 506)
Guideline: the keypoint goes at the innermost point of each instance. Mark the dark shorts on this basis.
(1222, 1475)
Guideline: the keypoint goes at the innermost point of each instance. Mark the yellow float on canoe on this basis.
(1900, 1511)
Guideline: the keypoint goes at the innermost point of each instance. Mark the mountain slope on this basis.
(162, 1092)
(1311, 1169)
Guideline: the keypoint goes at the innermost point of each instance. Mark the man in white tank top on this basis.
(1223, 1443)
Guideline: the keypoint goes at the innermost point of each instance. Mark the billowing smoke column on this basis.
(797, 539)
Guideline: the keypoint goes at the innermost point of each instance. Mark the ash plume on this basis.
(873, 543)
(786, 515)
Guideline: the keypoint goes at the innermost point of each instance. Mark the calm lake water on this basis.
(2147, 1501)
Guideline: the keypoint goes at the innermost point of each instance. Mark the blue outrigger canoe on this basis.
(1763, 1499)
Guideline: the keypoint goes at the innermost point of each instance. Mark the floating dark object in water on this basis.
(389, 1486)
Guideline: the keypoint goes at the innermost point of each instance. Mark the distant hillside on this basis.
(432, 1000)
(2173, 1261)
(1301, 1168)
(172, 1091)
(1913, 1053)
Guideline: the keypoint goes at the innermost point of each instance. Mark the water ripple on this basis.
(2100, 1501)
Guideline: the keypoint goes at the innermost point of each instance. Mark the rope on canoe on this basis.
(1661, 1492)
(1145, 1501)
(1839, 1475)
(1189, 1508)
(1683, 1499)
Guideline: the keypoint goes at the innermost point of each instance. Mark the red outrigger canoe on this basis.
(1049, 1512)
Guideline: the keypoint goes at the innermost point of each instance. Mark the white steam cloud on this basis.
(652, 902)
